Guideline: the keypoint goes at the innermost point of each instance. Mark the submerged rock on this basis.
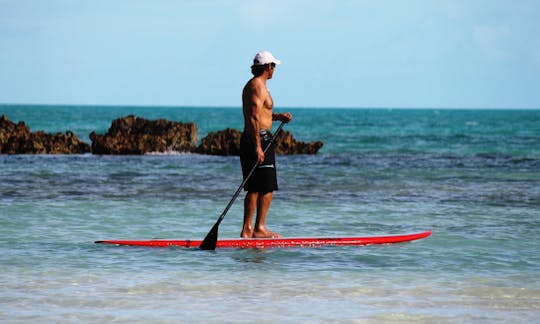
(227, 142)
(134, 135)
(17, 139)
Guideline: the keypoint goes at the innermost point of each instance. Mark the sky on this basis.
(364, 53)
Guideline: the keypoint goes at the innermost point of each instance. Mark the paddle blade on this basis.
(210, 241)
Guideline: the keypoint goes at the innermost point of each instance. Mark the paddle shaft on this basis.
(210, 241)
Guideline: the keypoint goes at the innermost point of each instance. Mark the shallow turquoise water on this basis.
(473, 177)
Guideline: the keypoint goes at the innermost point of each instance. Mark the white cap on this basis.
(265, 57)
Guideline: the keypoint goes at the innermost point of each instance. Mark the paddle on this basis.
(210, 241)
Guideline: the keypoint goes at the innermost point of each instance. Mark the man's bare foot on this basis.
(246, 233)
(265, 234)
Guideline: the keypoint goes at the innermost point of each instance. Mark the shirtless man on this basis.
(257, 107)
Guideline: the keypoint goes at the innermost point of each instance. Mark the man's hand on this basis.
(284, 117)
(260, 155)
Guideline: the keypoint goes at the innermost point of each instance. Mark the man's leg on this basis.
(263, 204)
(250, 204)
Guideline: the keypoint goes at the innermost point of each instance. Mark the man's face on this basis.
(271, 69)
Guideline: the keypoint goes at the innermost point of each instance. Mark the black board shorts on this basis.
(264, 179)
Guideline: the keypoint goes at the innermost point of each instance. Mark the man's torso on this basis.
(265, 114)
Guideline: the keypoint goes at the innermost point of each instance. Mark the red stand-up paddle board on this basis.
(277, 242)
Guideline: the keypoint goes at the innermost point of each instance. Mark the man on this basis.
(257, 107)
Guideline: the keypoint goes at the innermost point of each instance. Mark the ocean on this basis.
(470, 176)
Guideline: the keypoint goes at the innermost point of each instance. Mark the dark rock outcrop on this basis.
(134, 135)
(17, 139)
(287, 144)
(227, 142)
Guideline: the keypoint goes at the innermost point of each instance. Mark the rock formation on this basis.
(134, 135)
(287, 144)
(227, 142)
(17, 139)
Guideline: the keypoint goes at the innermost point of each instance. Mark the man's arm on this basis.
(253, 105)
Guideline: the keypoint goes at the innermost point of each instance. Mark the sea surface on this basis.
(470, 176)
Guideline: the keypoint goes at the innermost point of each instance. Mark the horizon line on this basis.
(277, 108)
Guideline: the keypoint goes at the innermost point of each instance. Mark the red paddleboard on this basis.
(278, 242)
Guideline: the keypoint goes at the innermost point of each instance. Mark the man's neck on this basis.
(263, 77)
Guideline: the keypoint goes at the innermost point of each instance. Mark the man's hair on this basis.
(257, 70)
